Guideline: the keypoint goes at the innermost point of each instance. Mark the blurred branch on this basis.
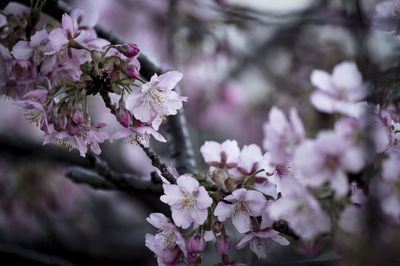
(29, 257)
(179, 141)
(129, 183)
(18, 146)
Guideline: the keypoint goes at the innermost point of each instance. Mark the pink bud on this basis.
(223, 244)
(131, 50)
(124, 117)
(132, 71)
(77, 117)
(196, 244)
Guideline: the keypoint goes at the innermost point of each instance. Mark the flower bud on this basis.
(196, 244)
(124, 117)
(129, 50)
(78, 117)
(219, 178)
(223, 244)
(96, 55)
(132, 71)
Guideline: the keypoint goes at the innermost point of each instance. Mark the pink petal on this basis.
(199, 216)
(188, 183)
(168, 81)
(57, 39)
(346, 75)
(121, 133)
(158, 220)
(245, 240)
(322, 102)
(39, 38)
(241, 220)
(211, 151)
(339, 183)
(223, 211)
(22, 51)
(180, 217)
(322, 80)
(203, 199)
(172, 195)
(255, 202)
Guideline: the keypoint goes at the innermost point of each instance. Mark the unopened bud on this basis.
(129, 50)
(223, 244)
(196, 244)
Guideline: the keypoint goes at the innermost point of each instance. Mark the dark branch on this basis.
(128, 183)
(124, 182)
(155, 161)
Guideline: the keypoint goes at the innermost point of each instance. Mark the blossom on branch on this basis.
(188, 200)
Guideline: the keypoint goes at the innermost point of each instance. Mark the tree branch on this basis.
(129, 183)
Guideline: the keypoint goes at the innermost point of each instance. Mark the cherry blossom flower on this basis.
(76, 29)
(244, 203)
(340, 91)
(302, 211)
(168, 243)
(78, 138)
(155, 100)
(327, 159)
(282, 136)
(139, 134)
(261, 241)
(188, 200)
(221, 155)
(34, 103)
(38, 48)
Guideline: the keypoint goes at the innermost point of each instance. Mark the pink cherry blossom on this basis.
(78, 137)
(221, 155)
(282, 136)
(155, 100)
(261, 241)
(139, 133)
(244, 203)
(340, 91)
(79, 28)
(188, 200)
(36, 112)
(168, 243)
(327, 160)
(303, 213)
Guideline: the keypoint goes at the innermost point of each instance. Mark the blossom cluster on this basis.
(52, 70)
(307, 182)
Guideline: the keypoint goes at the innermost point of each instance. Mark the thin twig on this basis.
(156, 162)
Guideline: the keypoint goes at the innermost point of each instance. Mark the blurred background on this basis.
(239, 58)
